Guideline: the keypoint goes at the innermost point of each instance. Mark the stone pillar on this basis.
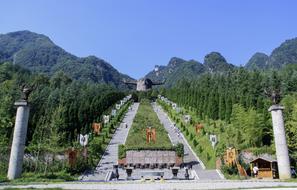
(281, 147)
(19, 140)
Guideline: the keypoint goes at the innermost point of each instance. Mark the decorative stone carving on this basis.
(213, 139)
(19, 134)
(83, 140)
(198, 128)
(106, 119)
(143, 84)
(96, 128)
(113, 112)
(281, 147)
(26, 91)
(150, 135)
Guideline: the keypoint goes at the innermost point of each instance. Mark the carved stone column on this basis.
(281, 147)
(19, 140)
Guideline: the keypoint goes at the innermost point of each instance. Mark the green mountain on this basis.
(258, 61)
(283, 55)
(215, 62)
(38, 53)
(178, 68)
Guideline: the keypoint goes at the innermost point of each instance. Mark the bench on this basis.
(152, 174)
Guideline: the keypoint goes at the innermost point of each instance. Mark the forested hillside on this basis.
(281, 56)
(37, 53)
(61, 109)
(214, 62)
(237, 98)
(178, 69)
(57, 101)
(259, 61)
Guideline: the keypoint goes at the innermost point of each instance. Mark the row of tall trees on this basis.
(238, 98)
(60, 107)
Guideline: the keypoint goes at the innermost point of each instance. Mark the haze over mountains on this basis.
(38, 53)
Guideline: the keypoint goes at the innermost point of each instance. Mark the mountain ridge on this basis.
(284, 54)
(178, 68)
(214, 62)
(38, 53)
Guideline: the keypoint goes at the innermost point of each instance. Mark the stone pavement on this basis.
(190, 158)
(136, 175)
(168, 185)
(110, 156)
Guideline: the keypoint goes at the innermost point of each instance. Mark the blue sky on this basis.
(135, 35)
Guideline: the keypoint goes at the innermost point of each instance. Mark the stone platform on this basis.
(151, 158)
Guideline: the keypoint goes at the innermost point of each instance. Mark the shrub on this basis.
(182, 126)
(200, 149)
(208, 157)
(121, 151)
(191, 122)
(109, 129)
(231, 170)
(195, 143)
(187, 132)
(102, 138)
(106, 134)
(203, 131)
(95, 150)
(179, 149)
(80, 166)
(261, 150)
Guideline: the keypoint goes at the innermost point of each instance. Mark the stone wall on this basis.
(149, 157)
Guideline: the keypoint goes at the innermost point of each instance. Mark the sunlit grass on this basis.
(146, 117)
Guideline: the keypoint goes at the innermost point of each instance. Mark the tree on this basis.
(291, 130)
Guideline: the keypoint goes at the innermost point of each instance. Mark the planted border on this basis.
(199, 143)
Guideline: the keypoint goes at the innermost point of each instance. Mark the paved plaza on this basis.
(168, 185)
(110, 156)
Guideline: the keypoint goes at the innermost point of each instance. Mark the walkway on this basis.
(190, 157)
(110, 156)
(168, 185)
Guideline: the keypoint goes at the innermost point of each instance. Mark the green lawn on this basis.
(30, 177)
(146, 117)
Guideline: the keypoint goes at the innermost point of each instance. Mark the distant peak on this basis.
(21, 32)
(26, 35)
(258, 61)
(174, 61)
(214, 57)
(260, 54)
(215, 62)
